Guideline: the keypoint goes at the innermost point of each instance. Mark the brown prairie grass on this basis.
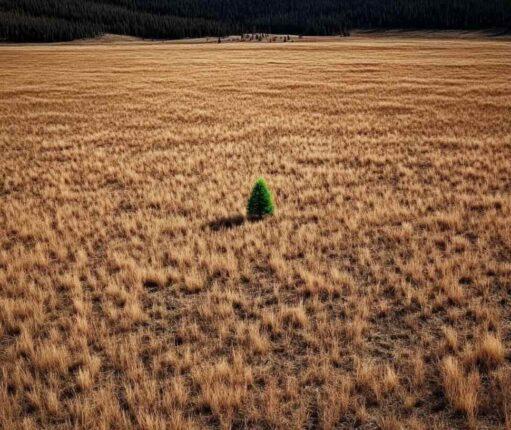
(134, 295)
(461, 390)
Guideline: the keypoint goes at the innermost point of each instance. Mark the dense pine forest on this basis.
(60, 20)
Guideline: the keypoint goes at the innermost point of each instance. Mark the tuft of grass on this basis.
(461, 390)
(489, 352)
(260, 203)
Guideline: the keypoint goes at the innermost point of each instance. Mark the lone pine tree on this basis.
(260, 203)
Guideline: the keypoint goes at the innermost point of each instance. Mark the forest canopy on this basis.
(60, 20)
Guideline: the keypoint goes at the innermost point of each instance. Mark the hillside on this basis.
(55, 20)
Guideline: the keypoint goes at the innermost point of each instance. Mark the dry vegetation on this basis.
(132, 295)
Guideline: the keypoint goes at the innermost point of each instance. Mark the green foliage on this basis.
(260, 203)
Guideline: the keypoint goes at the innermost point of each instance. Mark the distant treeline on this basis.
(58, 20)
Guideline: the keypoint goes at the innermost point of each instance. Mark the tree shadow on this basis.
(226, 223)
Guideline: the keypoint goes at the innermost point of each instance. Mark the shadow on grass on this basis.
(226, 223)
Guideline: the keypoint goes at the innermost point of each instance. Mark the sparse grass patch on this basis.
(488, 351)
(223, 387)
(461, 389)
(294, 316)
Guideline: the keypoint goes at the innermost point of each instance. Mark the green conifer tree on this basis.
(260, 203)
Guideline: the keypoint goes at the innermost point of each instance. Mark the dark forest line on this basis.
(58, 20)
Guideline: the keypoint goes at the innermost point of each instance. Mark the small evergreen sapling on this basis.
(260, 203)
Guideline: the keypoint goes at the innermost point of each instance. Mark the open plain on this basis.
(133, 293)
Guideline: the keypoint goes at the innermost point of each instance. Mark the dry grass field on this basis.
(133, 295)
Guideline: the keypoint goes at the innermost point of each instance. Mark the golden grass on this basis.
(133, 295)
